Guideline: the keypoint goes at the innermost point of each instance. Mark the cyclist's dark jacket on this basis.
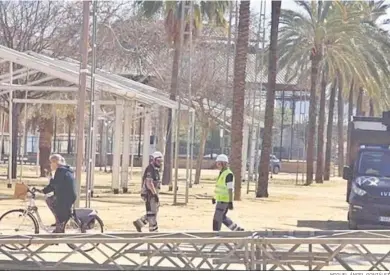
(63, 186)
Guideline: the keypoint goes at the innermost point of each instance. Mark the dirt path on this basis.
(289, 206)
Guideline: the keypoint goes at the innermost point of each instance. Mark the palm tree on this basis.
(240, 61)
(43, 117)
(359, 103)
(262, 189)
(70, 121)
(340, 127)
(337, 42)
(329, 131)
(375, 49)
(372, 109)
(172, 10)
(350, 113)
(321, 128)
(305, 30)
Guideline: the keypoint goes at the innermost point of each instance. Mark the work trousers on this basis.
(221, 209)
(152, 208)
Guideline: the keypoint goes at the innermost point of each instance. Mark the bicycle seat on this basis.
(84, 215)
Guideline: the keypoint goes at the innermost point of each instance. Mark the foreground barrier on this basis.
(265, 250)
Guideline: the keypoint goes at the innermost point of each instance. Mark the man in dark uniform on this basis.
(149, 193)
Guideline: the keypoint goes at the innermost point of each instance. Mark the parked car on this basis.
(274, 164)
(210, 156)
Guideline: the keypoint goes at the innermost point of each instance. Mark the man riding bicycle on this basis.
(63, 186)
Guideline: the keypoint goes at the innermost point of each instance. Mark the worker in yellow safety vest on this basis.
(224, 196)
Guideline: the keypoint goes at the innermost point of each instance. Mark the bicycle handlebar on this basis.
(33, 190)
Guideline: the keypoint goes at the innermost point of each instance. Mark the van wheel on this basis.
(352, 225)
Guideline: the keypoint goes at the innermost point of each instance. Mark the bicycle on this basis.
(82, 219)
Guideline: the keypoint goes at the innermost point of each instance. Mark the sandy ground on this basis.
(290, 206)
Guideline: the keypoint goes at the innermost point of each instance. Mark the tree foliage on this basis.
(340, 37)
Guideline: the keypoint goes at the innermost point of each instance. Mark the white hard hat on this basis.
(157, 154)
(222, 158)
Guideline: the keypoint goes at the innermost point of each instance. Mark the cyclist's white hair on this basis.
(57, 157)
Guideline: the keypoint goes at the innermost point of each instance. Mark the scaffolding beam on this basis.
(38, 88)
(59, 101)
(129, 106)
(117, 146)
(10, 122)
(146, 139)
(93, 109)
(82, 95)
(260, 251)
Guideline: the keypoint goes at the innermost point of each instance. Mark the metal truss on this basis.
(67, 71)
(266, 250)
(143, 93)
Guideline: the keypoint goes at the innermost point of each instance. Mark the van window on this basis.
(374, 164)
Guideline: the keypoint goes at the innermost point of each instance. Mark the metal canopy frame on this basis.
(124, 90)
(69, 72)
(142, 93)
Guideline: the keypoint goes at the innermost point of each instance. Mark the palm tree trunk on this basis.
(240, 61)
(350, 114)
(372, 109)
(203, 139)
(167, 173)
(340, 128)
(329, 131)
(359, 103)
(69, 149)
(315, 60)
(16, 111)
(321, 128)
(45, 142)
(262, 184)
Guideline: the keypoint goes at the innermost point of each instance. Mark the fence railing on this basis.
(265, 250)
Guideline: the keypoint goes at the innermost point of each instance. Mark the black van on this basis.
(368, 192)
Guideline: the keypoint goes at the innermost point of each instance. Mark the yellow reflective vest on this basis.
(221, 190)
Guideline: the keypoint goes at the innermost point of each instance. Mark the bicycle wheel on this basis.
(22, 218)
(95, 226)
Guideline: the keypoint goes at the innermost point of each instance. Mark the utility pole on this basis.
(93, 109)
(222, 132)
(81, 99)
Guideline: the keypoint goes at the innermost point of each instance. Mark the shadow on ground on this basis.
(323, 225)
(345, 208)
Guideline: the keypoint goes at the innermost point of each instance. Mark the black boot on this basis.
(137, 226)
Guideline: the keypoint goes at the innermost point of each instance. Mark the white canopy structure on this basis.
(69, 71)
(128, 95)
